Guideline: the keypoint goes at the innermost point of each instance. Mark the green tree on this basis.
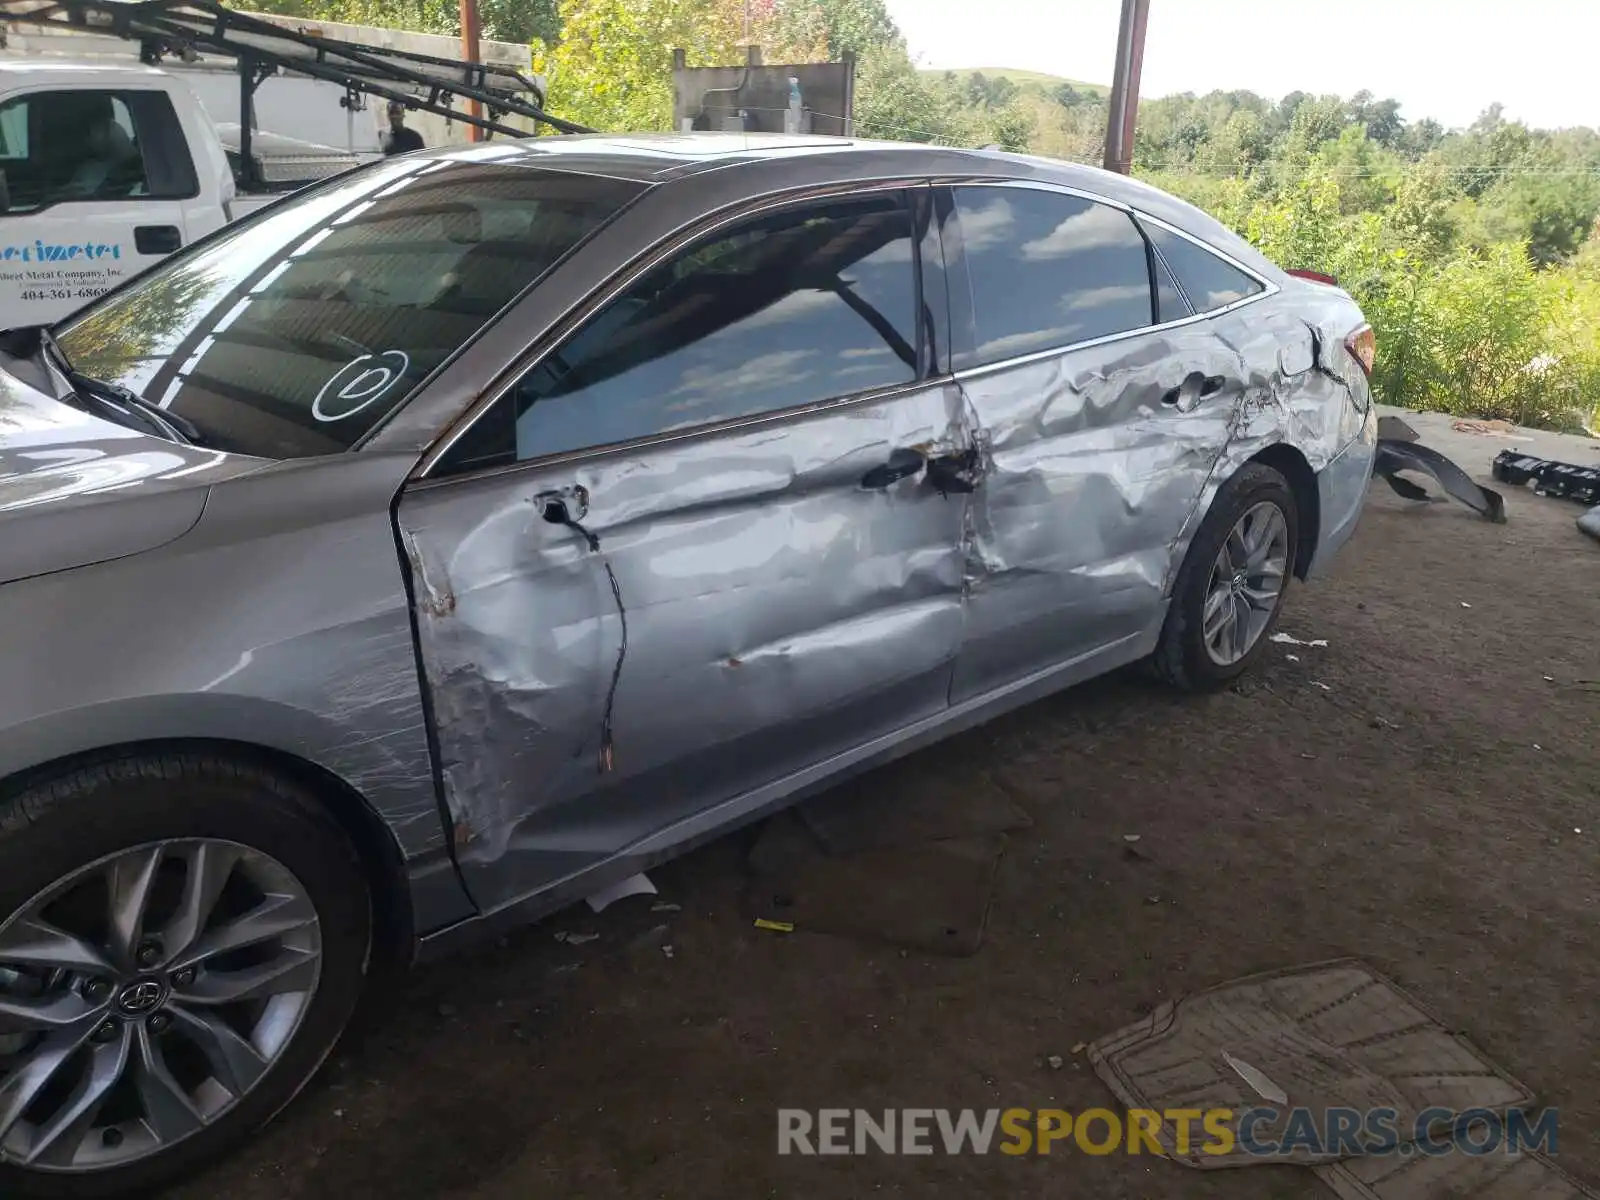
(837, 27)
(1379, 118)
(1420, 138)
(1368, 174)
(612, 68)
(1552, 212)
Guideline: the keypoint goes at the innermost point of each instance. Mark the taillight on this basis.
(1316, 277)
(1363, 347)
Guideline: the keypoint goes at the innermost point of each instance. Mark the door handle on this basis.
(563, 506)
(903, 463)
(1193, 390)
(156, 239)
(954, 474)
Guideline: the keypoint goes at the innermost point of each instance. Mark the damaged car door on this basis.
(694, 549)
(1104, 404)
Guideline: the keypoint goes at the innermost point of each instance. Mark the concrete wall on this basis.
(715, 97)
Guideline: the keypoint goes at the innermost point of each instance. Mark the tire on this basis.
(195, 817)
(1182, 657)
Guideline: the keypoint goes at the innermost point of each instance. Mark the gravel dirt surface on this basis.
(1420, 810)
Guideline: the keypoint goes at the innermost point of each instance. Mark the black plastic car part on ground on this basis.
(1565, 481)
(1398, 450)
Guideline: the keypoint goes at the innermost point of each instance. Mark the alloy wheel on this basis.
(143, 996)
(1246, 581)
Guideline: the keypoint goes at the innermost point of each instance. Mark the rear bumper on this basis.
(1342, 491)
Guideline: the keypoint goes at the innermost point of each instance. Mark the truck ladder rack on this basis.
(187, 28)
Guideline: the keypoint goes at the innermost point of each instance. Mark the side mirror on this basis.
(5, 194)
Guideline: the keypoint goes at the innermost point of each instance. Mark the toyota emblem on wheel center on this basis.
(140, 997)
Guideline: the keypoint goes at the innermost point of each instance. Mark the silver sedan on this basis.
(476, 529)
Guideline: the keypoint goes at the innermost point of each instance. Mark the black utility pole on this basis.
(1125, 86)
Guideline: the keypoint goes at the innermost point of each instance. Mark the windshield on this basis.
(299, 332)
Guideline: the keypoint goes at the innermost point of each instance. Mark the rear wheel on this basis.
(182, 939)
(1231, 586)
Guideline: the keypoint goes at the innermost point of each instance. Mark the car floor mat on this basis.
(1330, 1035)
(1496, 1175)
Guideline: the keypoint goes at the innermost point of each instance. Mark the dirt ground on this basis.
(1421, 812)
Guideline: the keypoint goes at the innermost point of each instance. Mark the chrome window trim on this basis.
(658, 253)
(1268, 287)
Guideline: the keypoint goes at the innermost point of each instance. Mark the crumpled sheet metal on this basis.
(773, 606)
(1088, 473)
(779, 612)
(1086, 476)
(1302, 393)
(1396, 455)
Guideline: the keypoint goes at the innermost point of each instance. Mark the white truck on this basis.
(107, 166)
(103, 171)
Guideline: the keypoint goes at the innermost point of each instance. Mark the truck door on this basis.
(93, 185)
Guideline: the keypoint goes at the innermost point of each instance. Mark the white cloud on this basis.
(791, 307)
(1087, 230)
(1106, 297)
(986, 224)
(1014, 344)
(703, 384)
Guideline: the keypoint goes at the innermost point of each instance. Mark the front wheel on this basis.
(182, 940)
(1231, 586)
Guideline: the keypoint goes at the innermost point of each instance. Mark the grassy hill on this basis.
(1022, 78)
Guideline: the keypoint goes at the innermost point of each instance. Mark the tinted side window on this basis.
(58, 147)
(1209, 282)
(1048, 270)
(801, 306)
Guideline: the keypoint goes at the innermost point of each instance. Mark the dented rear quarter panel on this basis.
(1306, 391)
(1090, 481)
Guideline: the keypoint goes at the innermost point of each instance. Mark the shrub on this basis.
(1476, 332)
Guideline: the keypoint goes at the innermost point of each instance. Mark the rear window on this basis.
(299, 332)
(1048, 270)
(1208, 281)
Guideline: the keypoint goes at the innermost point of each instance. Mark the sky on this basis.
(1446, 59)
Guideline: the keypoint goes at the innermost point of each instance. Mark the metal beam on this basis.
(175, 26)
(471, 51)
(1125, 86)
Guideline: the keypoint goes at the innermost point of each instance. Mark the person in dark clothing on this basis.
(400, 137)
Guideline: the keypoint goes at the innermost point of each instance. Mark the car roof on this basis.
(656, 157)
(660, 157)
(86, 69)
(718, 167)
